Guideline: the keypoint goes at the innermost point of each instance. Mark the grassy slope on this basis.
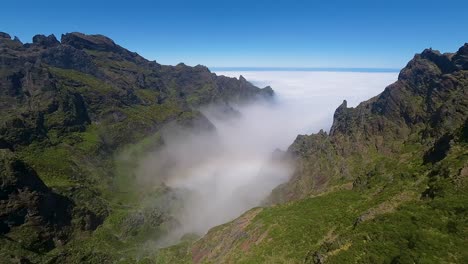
(397, 224)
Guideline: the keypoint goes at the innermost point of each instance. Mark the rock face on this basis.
(4, 35)
(28, 205)
(35, 84)
(460, 59)
(67, 57)
(46, 42)
(91, 42)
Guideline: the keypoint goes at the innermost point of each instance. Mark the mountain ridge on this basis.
(70, 109)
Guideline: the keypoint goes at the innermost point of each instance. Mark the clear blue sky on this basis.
(383, 34)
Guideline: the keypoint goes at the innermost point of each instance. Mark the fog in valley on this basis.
(225, 172)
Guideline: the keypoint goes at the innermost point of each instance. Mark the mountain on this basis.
(387, 184)
(71, 110)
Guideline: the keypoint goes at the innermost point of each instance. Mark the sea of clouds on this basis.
(227, 172)
(308, 99)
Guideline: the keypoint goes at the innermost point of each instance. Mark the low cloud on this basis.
(225, 172)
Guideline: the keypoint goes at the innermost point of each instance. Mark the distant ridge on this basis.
(318, 69)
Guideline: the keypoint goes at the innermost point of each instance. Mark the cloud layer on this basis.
(308, 99)
(224, 173)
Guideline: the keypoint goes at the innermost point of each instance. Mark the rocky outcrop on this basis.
(460, 59)
(26, 203)
(416, 101)
(92, 42)
(45, 41)
(242, 89)
(100, 43)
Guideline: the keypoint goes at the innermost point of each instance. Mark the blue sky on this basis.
(381, 34)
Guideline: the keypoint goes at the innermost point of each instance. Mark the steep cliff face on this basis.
(388, 184)
(68, 108)
(428, 102)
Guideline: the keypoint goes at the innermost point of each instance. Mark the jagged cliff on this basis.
(68, 107)
(427, 103)
(388, 184)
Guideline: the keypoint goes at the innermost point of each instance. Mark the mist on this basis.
(224, 172)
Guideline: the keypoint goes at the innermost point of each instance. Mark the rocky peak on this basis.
(463, 50)
(430, 63)
(429, 52)
(181, 65)
(341, 110)
(4, 35)
(417, 99)
(340, 119)
(460, 59)
(46, 41)
(267, 90)
(93, 42)
(423, 68)
(441, 60)
(201, 68)
(343, 105)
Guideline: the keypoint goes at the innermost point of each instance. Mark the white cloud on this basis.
(220, 171)
(308, 99)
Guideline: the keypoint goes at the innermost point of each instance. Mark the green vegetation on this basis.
(389, 221)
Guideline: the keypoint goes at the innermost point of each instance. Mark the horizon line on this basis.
(330, 69)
